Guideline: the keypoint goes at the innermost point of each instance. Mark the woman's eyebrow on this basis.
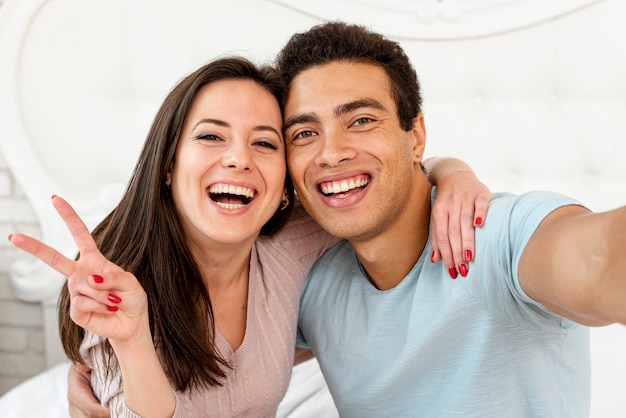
(212, 121)
(224, 124)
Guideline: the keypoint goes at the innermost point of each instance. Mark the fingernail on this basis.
(467, 256)
(97, 279)
(53, 196)
(11, 236)
(114, 298)
(112, 308)
(479, 221)
(452, 272)
(463, 270)
(432, 256)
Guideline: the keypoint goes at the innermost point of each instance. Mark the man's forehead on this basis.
(338, 86)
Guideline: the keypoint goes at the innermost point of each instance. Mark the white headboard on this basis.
(531, 93)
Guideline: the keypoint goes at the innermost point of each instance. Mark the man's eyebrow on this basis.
(301, 118)
(357, 104)
(342, 109)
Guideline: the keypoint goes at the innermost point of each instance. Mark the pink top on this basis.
(262, 364)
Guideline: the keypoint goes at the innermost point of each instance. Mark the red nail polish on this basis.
(11, 236)
(479, 221)
(53, 196)
(432, 256)
(467, 256)
(463, 270)
(112, 308)
(97, 279)
(452, 272)
(114, 298)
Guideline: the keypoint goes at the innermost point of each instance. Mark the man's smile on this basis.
(341, 188)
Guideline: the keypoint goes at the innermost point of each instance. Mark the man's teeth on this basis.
(233, 190)
(343, 186)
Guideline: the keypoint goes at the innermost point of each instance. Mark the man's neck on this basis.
(390, 256)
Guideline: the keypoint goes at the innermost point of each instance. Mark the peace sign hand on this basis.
(104, 298)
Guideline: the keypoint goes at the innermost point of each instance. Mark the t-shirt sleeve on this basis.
(512, 220)
(301, 341)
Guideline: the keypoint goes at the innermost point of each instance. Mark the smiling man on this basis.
(392, 335)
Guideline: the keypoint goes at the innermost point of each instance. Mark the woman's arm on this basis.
(109, 302)
(460, 205)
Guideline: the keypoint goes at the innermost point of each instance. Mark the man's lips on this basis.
(342, 187)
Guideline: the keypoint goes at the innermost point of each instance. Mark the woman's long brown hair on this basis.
(143, 235)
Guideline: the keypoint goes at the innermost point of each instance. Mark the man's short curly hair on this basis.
(339, 41)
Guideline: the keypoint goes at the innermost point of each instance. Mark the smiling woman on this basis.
(178, 272)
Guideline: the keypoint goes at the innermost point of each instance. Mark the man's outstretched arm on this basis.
(575, 265)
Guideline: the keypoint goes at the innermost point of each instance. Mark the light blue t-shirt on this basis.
(435, 347)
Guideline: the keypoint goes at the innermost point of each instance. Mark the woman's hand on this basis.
(460, 206)
(104, 298)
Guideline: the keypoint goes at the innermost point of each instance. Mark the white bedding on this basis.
(44, 395)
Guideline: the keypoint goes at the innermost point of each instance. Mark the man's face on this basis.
(352, 165)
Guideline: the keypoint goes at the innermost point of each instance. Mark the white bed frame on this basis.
(531, 93)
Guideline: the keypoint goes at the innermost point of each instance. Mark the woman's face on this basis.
(229, 171)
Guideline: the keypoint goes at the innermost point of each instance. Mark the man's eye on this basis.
(362, 121)
(304, 134)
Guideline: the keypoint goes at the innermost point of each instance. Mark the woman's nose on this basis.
(237, 157)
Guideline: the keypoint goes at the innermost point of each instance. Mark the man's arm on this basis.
(81, 400)
(301, 355)
(575, 265)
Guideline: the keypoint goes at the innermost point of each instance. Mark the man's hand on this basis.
(80, 397)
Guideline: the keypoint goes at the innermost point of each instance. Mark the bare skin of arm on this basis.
(575, 265)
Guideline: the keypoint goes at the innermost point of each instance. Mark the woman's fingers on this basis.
(47, 254)
(81, 235)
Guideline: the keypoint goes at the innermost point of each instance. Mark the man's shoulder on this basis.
(536, 204)
(335, 257)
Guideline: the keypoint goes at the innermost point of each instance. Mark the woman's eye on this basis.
(208, 137)
(266, 144)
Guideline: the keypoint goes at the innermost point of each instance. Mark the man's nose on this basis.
(336, 148)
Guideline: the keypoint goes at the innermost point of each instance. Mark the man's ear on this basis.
(418, 137)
